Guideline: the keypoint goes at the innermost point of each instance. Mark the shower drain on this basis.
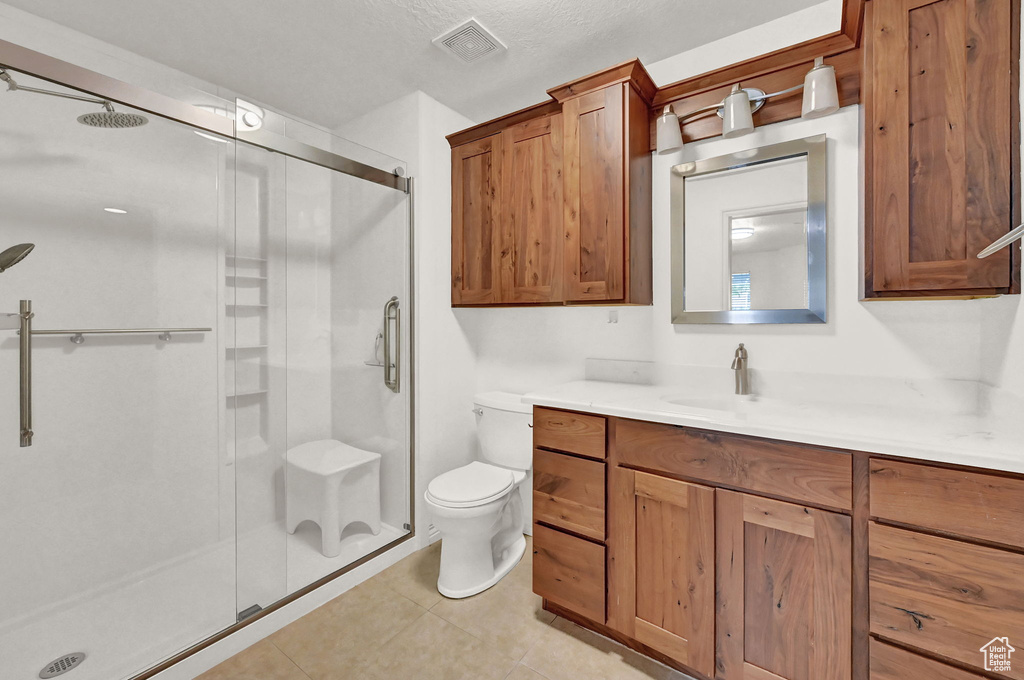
(62, 665)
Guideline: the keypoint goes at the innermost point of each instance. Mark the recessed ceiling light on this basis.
(116, 211)
(740, 233)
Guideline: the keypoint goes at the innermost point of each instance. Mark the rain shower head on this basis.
(14, 255)
(108, 118)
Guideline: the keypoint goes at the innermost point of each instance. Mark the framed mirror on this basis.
(749, 241)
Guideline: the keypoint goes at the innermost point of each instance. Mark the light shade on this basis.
(821, 97)
(670, 138)
(736, 115)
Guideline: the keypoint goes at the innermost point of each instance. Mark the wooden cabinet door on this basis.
(532, 217)
(476, 210)
(663, 545)
(784, 599)
(938, 102)
(594, 141)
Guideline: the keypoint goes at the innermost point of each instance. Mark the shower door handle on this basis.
(25, 369)
(392, 315)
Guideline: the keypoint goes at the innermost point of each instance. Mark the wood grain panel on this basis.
(938, 194)
(981, 506)
(621, 541)
(594, 217)
(569, 493)
(939, 163)
(569, 571)
(775, 468)
(476, 205)
(639, 258)
(777, 601)
(578, 433)
(944, 596)
(532, 218)
(783, 596)
(892, 663)
(674, 569)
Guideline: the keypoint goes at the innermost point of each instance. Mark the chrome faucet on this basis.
(739, 365)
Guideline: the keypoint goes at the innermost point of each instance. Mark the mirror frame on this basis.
(814, 148)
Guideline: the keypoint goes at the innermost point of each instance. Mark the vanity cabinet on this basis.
(735, 557)
(552, 205)
(666, 547)
(569, 511)
(784, 590)
(942, 174)
(946, 559)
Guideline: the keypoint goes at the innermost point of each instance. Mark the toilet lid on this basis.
(470, 485)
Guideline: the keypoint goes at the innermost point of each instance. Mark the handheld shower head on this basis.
(14, 255)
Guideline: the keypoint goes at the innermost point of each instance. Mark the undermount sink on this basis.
(704, 402)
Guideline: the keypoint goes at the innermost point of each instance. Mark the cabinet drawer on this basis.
(569, 571)
(572, 432)
(802, 473)
(944, 596)
(986, 507)
(893, 663)
(568, 492)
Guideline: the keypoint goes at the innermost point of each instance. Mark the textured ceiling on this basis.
(331, 60)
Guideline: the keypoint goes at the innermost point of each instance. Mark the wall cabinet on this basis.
(476, 205)
(556, 208)
(942, 146)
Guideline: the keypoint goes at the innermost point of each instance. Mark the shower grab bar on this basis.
(392, 371)
(25, 371)
(78, 334)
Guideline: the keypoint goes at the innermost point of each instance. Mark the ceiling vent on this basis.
(470, 42)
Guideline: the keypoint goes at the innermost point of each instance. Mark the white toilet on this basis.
(479, 508)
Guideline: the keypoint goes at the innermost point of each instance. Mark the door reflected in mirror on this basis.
(749, 236)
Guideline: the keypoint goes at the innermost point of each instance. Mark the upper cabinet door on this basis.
(532, 218)
(594, 197)
(940, 172)
(784, 590)
(664, 573)
(476, 209)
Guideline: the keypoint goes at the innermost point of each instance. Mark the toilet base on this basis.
(513, 554)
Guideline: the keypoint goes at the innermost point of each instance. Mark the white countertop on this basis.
(918, 431)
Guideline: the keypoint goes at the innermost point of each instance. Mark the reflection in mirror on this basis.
(749, 236)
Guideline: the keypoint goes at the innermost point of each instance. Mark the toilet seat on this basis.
(471, 485)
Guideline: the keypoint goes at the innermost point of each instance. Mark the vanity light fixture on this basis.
(821, 97)
(670, 135)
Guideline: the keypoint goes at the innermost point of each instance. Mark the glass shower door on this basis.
(117, 523)
(329, 476)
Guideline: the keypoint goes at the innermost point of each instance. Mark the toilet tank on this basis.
(503, 426)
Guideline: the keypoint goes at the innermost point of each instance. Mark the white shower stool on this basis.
(334, 485)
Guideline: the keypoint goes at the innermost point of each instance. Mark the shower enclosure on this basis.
(205, 297)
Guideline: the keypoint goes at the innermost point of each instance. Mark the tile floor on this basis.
(396, 625)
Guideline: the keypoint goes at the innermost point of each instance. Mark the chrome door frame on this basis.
(39, 65)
